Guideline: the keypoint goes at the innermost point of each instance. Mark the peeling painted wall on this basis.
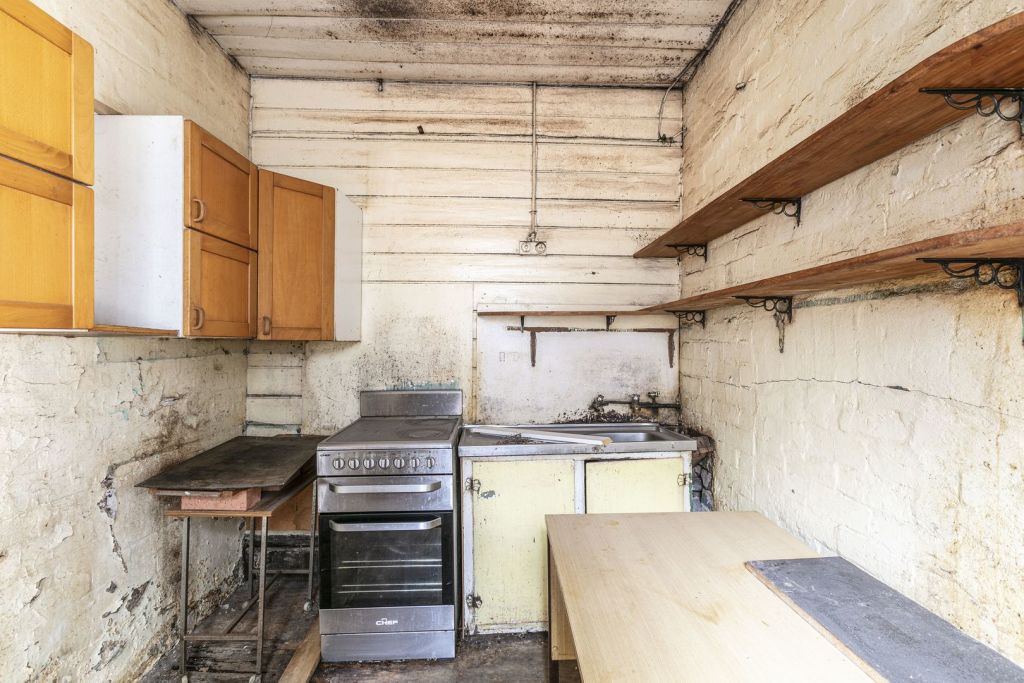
(891, 431)
(88, 565)
(442, 173)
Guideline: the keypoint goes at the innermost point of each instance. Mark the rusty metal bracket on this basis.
(692, 317)
(986, 101)
(691, 250)
(1004, 273)
(780, 206)
(608, 320)
(780, 306)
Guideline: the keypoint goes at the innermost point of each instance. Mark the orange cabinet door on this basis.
(220, 288)
(296, 283)
(220, 189)
(46, 92)
(46, 250)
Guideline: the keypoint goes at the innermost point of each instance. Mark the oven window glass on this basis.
(386, 560)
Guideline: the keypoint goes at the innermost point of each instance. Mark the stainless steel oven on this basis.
(387, 526)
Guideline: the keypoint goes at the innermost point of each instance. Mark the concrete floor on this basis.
(517, 658)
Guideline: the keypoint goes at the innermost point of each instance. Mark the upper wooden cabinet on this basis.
(296, 270)
(46, 92)
(220, 189)
(220, 288)
(46, 250)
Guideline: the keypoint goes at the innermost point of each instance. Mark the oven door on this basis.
(387, 572)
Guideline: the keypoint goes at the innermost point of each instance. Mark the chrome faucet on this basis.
(634, 403)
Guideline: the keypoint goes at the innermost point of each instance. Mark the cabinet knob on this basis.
(200, 318)
(266, 325)
(201, 205)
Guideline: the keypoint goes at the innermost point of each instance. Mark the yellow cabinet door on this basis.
(220, 288)
(296, 273)
(46, 92)
(46, 250)
(654, 485)
(221, 189)
(510, 547)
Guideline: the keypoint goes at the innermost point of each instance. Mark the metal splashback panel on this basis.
(410, 403)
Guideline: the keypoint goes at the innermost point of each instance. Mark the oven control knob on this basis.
(399, 463)
(383, 463)
(415, 462)
(430, 463)
(353, 464)
(339, 464)
(368, 463)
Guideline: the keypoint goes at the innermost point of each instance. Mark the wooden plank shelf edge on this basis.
(889, 120)
(889, 264)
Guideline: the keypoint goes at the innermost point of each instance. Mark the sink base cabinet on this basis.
(504, 541)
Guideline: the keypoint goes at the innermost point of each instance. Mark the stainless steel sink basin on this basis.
(631, 437)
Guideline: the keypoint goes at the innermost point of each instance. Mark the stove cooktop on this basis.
(368, 433)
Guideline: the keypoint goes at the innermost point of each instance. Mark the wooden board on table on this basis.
(890, 636)
(268, 463)
(652, 597)
(890, 119)
(897, 262)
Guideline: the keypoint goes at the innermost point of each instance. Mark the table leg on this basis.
(252, 556)
(262, 598)
(186, 524)
(552, 672)
(312, 551)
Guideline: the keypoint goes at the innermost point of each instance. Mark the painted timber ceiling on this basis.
(596, 42)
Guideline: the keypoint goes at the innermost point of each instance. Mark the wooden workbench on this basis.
(666, 597)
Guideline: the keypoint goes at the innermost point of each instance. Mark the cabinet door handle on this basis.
(200, 318)
(198, 218)
(266, 325)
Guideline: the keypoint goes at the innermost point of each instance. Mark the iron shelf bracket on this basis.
(1005, 273)
(780, 306)
(780, 206)
(692, 317)
(986, 101)
(691, 250)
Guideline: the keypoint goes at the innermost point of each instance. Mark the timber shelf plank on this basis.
(898, 262)
(890, 119)
(547, 313)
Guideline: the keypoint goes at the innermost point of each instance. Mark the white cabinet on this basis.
(504, 540)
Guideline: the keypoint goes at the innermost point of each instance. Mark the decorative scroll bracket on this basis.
(780, 306)
(780, 206)
(692, 317)
(691, 250)
(986, 101)
(1005, 273)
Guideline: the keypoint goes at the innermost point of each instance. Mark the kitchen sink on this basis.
(629, 437)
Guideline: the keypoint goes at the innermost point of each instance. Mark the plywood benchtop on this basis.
(666, 597)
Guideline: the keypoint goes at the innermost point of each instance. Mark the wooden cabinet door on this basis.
(46, 92)
(296, 282)
(46, 250)
(220, 189)
(510, 548)
(220, 288)
(652, 485)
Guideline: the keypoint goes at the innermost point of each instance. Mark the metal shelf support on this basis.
(692, 317)
(780, 206)
(999, 102)
(1004, 273)
(780, 306)
(691, 250)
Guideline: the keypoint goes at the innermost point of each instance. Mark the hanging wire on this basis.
(691, 67)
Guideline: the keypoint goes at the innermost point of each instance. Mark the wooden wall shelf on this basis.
(888, 264)
(888, 120)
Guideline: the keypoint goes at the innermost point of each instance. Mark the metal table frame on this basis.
(264, 511)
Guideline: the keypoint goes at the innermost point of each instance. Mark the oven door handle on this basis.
(385, 488)
(387, 526)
